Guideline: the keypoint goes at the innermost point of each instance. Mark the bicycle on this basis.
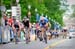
(16, 36)
(27, 35)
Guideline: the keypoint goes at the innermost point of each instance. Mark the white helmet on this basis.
(17, 20)
(41, 18)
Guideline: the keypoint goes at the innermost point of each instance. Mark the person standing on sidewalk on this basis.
(65, 32)
(10, 22)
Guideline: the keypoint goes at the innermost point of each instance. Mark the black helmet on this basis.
(25, 17)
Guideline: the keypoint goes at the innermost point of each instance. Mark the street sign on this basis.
(17, 1)
(16, 11)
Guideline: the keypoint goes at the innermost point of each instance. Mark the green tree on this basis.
(0, 9)
(47, 7)
(73, 8)
(7, 3)
(54, 11)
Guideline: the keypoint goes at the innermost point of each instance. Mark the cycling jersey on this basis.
(16, 25)
(43, 21)
(26, 24)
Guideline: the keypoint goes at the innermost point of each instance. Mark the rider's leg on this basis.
(45, 36)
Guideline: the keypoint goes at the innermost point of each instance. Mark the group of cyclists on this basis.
(24, 25)
(42, 27)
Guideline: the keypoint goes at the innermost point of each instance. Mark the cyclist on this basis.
(26, 24)
(16, 29)
(44, 26)
(37, 31)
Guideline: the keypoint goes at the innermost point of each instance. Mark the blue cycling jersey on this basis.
(43, 23)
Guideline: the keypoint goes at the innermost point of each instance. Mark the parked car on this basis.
(71, 33)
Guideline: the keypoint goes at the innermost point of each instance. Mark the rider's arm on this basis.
(30, 25)
(19, 25)
(13, 26)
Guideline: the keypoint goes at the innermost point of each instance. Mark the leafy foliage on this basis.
(47, 7)
(73, 8)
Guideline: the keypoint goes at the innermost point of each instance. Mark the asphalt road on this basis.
(57, 43)
(67, 44)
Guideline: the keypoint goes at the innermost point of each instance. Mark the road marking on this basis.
(55, 44)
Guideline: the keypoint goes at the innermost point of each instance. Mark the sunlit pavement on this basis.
(56, 43)
(52, 44)
(68, 44)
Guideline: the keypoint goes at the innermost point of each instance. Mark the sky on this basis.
(71, 2)
(68, 21)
